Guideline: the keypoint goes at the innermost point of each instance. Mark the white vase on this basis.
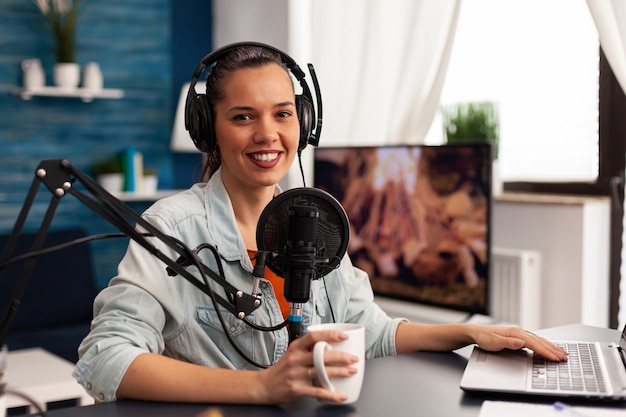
(66, 75)
(33, 74)
(92, 77)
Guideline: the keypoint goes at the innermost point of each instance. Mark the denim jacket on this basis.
(145, 310)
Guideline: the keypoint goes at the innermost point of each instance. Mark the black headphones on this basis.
(198, 119)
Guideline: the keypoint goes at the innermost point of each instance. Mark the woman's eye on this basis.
(283, 114)
(242, 117)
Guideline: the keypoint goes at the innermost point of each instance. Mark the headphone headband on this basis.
(198, 118)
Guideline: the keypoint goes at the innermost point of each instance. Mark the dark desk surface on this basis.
(422, 383)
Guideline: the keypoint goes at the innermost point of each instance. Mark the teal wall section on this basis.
(133, 42)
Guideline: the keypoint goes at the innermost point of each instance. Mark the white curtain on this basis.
(381, 66)
(610, 19)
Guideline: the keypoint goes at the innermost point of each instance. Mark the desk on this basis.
(42, 376)
(417, 384)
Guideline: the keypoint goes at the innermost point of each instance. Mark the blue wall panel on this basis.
(132, 42)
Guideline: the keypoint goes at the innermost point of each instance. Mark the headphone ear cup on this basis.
(305, 111)
(201, 124)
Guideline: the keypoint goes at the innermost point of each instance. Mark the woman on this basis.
(155, 337)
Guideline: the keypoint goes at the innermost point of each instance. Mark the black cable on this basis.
(220, 269)
(190, 253)
(197, 261)
(194, 259)
(230, 296)
(301, 168)
(50, 249)
(330, 306)
(29, 399)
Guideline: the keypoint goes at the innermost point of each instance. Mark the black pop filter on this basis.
(332, 229)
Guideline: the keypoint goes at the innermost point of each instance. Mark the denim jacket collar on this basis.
(227, 238)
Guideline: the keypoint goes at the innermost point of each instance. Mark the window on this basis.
(596, 159)
(538, 60)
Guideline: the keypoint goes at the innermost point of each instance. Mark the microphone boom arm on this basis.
(59, 176)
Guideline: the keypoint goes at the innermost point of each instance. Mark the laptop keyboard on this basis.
(581, 372)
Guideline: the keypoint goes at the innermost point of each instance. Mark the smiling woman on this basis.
(257, 130)
(156, 338)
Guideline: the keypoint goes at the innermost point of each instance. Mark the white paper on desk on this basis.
(520, 409)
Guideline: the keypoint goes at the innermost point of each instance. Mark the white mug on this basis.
(355, 345)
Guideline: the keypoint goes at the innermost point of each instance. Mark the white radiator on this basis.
(515, 287)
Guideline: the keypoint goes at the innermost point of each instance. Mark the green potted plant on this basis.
(472, 122)
(110, 174)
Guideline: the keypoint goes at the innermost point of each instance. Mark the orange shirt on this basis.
(278, 283)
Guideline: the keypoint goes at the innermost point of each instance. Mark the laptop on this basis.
(593, 370)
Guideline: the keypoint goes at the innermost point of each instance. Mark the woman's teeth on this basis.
(265, 157)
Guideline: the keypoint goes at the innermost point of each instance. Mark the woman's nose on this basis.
(267, 130)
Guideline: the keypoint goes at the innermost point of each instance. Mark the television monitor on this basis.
(419, 219)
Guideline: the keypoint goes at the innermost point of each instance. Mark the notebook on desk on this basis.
(593, 370)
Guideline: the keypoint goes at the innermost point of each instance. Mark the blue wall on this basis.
(134, 44)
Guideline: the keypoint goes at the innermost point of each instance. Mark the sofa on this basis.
(56, 308)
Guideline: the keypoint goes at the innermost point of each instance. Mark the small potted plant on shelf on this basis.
(62, 18)
(150, 180)
(110, 174)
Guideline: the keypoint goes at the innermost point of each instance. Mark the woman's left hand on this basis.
(495, 338)
(446, 337)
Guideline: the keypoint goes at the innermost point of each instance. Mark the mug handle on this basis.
(320, 368)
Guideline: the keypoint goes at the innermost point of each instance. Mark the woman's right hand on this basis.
(293, 376)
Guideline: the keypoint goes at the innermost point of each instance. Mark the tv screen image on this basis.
(419, 218)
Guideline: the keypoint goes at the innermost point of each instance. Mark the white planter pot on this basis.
(150, 184)
(113, 183)
(66, 75)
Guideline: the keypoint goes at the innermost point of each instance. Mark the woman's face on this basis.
(257, 127)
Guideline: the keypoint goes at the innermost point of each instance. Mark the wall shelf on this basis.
(85, 94)
(136, 197)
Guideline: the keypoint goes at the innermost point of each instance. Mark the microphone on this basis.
(300, 255)
(300, 252)
(306, 231)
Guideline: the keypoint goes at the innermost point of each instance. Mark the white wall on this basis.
(244, 20)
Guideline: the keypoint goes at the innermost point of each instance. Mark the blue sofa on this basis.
(56, 309)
